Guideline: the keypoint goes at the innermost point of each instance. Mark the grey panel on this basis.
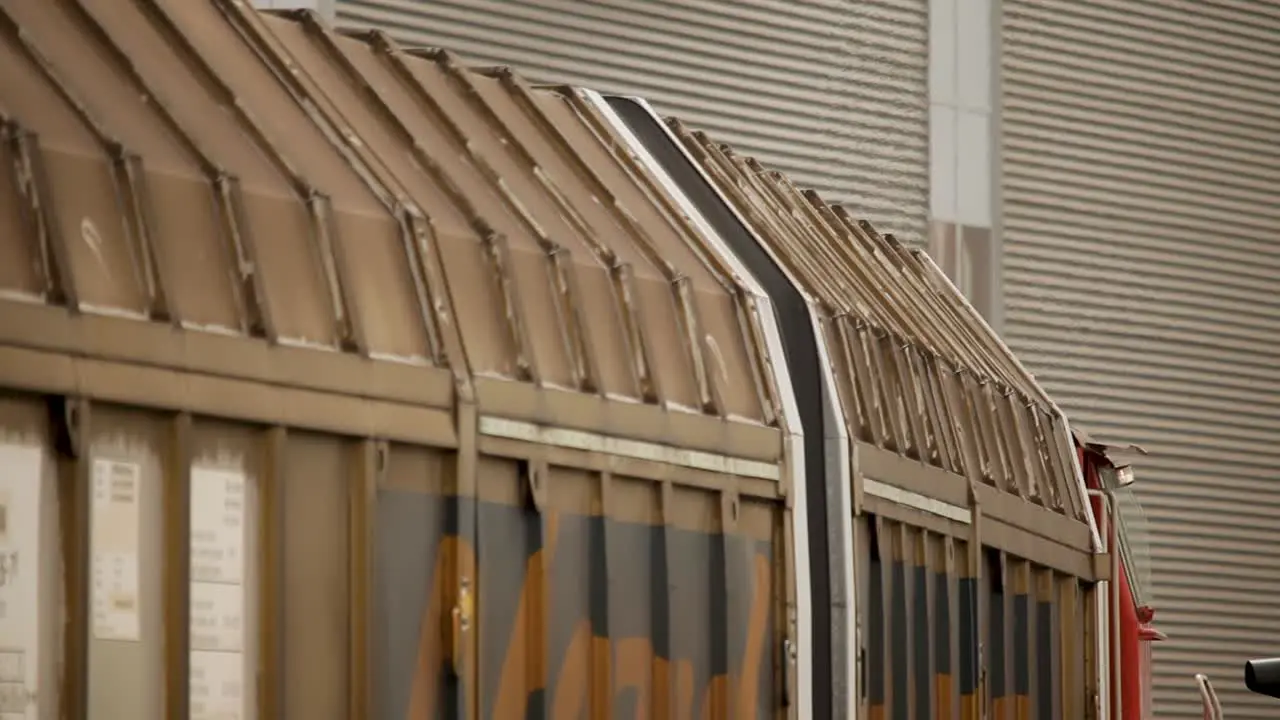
(1141, 154)
(832, 93)
(410, 529)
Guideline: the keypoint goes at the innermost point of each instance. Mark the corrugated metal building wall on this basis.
(778, 79)
(1141, 188)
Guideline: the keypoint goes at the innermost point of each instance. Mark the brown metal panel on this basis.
(316, 603)
(972, 630)
(890, 510)
(1048, 668)
(355, 204)
(853, 397)
(510, 586)
(368, 467)
(1045, 523)
(868, 378)
(179, 546)
(998, 652)
(1063, 558)
(274, 444)
(495, 174)
(674, 681)
(45, 372)
(890, 468)
(728, 367)
(364, 211)
(919, 595)
(22, 261)
(206, 289)
(904, 332)
(879, 637)
(590, 172)
(156, 345)
(1072, 638)
(374, 138)
(1021, 638)
(72, 418)
(96, 248)
(1089, 603)
(944, 631)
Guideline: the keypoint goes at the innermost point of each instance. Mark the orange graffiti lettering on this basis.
(454, 558)
(524, 668)
(595, 670)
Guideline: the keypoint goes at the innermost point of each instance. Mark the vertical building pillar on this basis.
(964, 229)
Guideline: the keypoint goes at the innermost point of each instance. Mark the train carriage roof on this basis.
(941, 414)
(332, 212)
(224, 211)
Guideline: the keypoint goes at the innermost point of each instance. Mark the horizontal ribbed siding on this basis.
(1141, 187)
(831, 93)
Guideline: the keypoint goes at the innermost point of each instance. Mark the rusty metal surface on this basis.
(849, 479)
(918, 373)
(262, 177)
(507, 429)
(584, 592)
(961, 636)
(502, 427)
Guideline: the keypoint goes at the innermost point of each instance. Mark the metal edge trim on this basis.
(1004, 348)
(494, 426)
(795, 439)
(907, 498)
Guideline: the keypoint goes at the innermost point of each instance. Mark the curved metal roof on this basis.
(256, 181)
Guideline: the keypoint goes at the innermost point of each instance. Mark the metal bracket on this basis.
(730, 510)
(1101, 566)
(460, 620)
(536, 474)
(70, 416)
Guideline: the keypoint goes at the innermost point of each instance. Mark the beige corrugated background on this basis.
(1141, 186)
(778, 79)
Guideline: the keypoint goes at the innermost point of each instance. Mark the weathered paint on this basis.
(691, 663)
(922, 623)
(924, 619)
(561, 598)
(1021, 639)
(996, 648)
(968, 642)
(505, 408)
(877, 630)
(943, 646)
(1048, 665)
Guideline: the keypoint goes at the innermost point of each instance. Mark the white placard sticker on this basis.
(217, 526)
(217, 685)
(20, 608)
(117, 487)
(217, 617)
(218, 603)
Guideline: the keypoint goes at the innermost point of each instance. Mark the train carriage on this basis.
(338, 380)
(947, 509)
